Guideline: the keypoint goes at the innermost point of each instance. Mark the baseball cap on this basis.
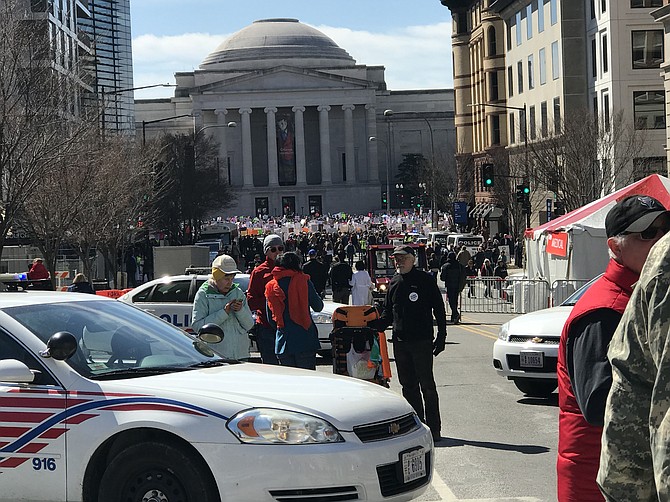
(632, 214)
(311, 252)
(403, 250)
(225, 264)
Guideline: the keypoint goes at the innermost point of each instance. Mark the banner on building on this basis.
(285, 129)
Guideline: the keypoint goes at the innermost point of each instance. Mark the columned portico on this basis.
(247, 161)
(324, 140)
(301, 172)
(273, 168)
(349, 143)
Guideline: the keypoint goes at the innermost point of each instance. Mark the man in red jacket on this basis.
(273, 246)
(632, 226)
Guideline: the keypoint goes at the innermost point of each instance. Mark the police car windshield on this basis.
(113, 336)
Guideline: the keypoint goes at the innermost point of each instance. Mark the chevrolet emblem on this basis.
(537, 339)
(394, 428)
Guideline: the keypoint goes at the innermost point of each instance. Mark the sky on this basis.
(411, 38)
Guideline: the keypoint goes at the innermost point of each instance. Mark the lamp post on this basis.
(433, 205)
(104, 92)
(388, 172)
(525, 136)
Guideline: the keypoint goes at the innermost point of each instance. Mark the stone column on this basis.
(301, 168)
(247, 161)
(273, 168)
(373, 161)
(349, 143)
(222, 125)
(324, 141)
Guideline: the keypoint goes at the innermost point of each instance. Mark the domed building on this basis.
(293, 114)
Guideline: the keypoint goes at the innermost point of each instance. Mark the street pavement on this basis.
(497, 446)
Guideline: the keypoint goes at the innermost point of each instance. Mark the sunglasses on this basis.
(274, 249)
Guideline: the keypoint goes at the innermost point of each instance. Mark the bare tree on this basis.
(587, 159)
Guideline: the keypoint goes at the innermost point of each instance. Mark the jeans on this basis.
(265, 340)
(414, 362)
(304, 360)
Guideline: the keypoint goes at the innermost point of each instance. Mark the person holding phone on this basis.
(220, 301)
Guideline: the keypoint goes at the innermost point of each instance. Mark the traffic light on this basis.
(559, 208)
(487, 175)
(384, 199)
(520, 193)
(523, 194)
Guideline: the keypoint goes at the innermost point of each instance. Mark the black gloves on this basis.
(438, 344)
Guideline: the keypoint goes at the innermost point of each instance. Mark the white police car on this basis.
(171, 298)
(526, 350)
(101, 402)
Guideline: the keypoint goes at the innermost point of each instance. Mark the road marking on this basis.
(478, 331)
(445, 493)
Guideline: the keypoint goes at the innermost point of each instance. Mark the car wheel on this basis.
(155, 471)
(536, 387)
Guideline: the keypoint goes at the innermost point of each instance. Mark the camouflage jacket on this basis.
(635, 455)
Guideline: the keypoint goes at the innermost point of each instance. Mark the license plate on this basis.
(413, 465)
(531, 359)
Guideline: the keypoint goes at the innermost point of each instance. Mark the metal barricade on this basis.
(496, 295)
(562, 289)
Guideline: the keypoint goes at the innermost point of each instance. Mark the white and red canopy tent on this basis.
(574, 246)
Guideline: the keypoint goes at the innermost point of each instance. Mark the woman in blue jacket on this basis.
(290, 294)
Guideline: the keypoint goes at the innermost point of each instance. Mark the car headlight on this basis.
(504, 331)
(269, 426)
(321, 318)
(382, 288)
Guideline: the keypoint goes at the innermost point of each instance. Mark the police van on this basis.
(470, 241)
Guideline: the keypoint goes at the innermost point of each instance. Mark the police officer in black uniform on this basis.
(411, 302)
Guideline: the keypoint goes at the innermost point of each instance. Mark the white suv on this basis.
(526, 351)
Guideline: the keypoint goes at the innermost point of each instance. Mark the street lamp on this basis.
(388, 172)
(145, 122)
(525, 136)
(433, 208)
(230, 124)
(104, 92)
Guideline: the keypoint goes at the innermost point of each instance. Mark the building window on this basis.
(510, 81)
(594, 61)
(647, 49)
(606, 111)
(461, 23)
(493, 86)
(643, 167)
(593, 9)
(557, 116)
(555, 63)
(649, 109)
(532, 126)
(517, 27)
(645, 4)
(605, 57)
(529, 21)
(519, 76)
(523, 131)
(603, 6)
(288, 206)
(553, 11)
(540, 15)
(531, 73)
(315, 205)
(510, 23)
(262, 206)
(544, 119)
(495, 129)
(492, 41)
(512, 130)
(543, 66)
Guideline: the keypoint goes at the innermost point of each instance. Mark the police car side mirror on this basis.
(210, 333)
(61, 346)
(14, 371)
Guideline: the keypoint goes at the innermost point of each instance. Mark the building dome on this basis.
(272, 42)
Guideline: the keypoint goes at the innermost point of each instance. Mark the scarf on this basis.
(297, 291)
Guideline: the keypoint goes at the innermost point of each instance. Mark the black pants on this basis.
(452, 297)
(265, 340)
(414, 362)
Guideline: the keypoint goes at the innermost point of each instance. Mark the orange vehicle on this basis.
(381, 266)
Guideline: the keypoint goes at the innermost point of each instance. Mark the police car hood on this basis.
(541, 322)
(343, 401)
